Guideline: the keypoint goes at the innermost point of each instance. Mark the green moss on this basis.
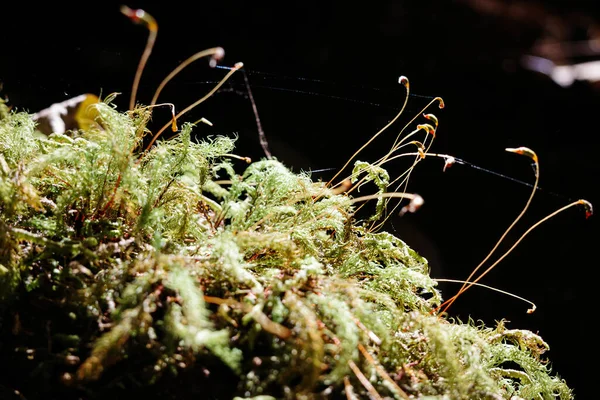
(121, 269)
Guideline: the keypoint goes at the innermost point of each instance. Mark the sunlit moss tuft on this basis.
(121, 269)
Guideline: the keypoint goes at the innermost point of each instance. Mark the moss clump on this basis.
(171, 274)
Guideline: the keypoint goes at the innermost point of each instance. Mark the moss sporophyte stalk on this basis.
(165, 267)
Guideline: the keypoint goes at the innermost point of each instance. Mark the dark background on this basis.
(314, 68)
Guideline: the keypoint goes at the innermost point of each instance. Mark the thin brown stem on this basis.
(140, 16)
(217, 53)
(201, 100)
(382, 372)
(364, 381)
(531, 154)
(403, 81)
(585, 203)
(529, 311)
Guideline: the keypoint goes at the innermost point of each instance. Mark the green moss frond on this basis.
(190, 320)
(374, 174)
(17, 137)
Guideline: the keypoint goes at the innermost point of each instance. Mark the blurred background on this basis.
(324, 77)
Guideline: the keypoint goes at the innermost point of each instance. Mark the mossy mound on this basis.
(168, 273)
